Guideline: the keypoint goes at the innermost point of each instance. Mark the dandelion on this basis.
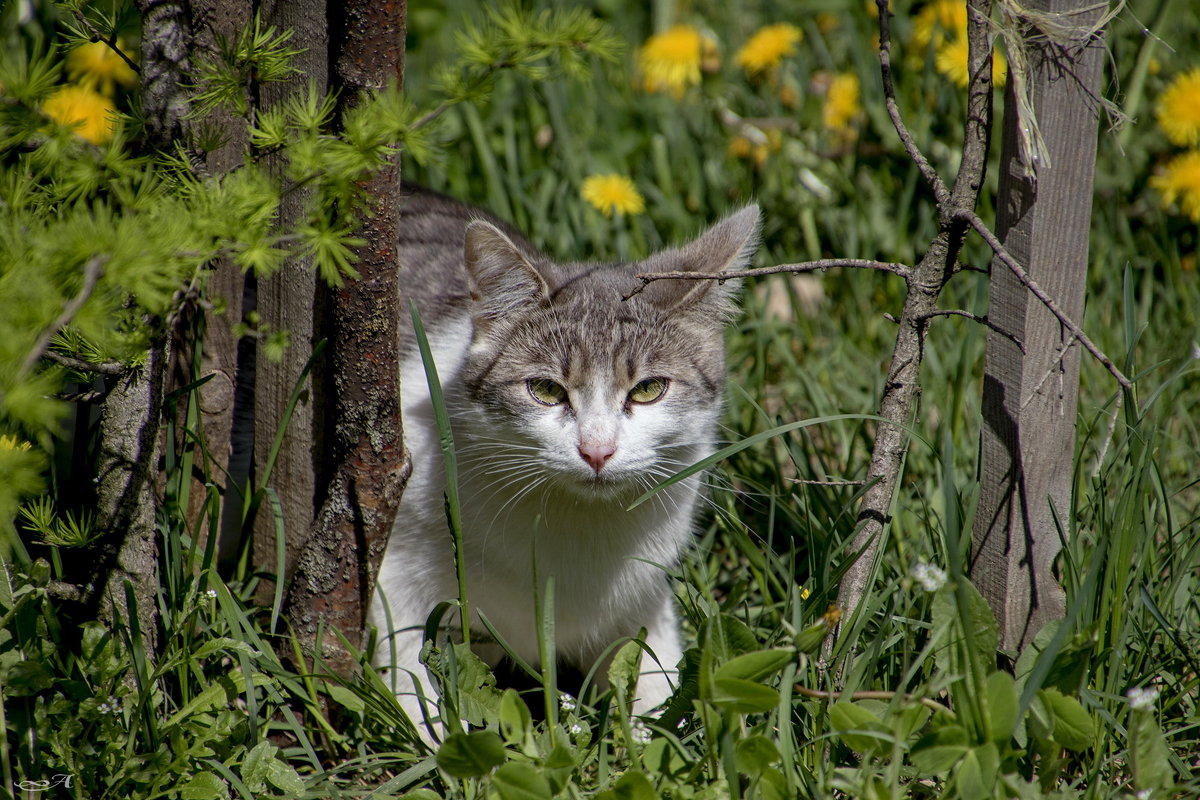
(740, 147)
(609, 193)
(951, 61)
(639, 732)
(937, 21)
(1142, 698)
(930, 576)
(86, 110)
(1179, 109)
(97, 66)
(805, 592)
(767, 47)
(1180, 182)
(841, 103)
(671, 61)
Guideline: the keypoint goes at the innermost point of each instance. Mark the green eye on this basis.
(546, 391)
(650, 390)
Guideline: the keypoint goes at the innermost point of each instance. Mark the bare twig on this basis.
(1003, 256)
(808, 482)
(820, 694)
(940, 192)
(103, 368)
(807, 266)
(955, 312)
(91, 276)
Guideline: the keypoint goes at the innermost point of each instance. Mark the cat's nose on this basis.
(597, 454)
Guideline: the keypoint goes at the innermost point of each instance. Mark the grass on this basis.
(220, 715)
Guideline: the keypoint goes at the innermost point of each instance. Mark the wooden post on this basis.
(1029, 398)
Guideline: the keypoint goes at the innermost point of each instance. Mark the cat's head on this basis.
(601, 393)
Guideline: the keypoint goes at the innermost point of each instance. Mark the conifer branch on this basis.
(91, 276)
(103, 368)
(109, 41)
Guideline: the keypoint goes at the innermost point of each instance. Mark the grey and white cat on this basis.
(566, 404)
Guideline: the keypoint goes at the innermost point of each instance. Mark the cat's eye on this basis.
(546, 391)
(650, 390)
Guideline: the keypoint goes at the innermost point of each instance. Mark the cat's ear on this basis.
(727, 246)
(502, 279)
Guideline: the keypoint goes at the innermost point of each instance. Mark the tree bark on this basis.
(1029, 398)
(337, 567)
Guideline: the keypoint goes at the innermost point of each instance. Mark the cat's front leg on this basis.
(659, 674)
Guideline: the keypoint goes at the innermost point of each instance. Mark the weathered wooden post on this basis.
(1029, 397)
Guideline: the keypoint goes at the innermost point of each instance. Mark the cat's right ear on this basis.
(502, 279)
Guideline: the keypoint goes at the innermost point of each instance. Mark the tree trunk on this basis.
(1029, 398)
(336, 569)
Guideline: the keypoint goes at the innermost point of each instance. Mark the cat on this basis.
(566, 404)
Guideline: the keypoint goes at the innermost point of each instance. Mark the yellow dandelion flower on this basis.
(609, 193)
(951, 61)
(938, 20)
(96, 66)
(740, 147)
(87, 111)
(1179, 109)
(671, 61)
(1180, 182)
(767, 47)
(827, 22)
(841, 102)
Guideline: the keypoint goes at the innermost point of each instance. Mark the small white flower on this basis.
(110, 706)
(1195, 349)
(566, 702)
(1142, 698)
(640, 733)
(575, 729)
(930, 576)
(211, 594)
(1144, 794)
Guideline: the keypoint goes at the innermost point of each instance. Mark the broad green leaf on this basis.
(625, 667)
(757, 665)
(1148, 755)
(285, 778)
(976, 774)
(978, 619)
(469, 755)
(520, 781)
(743, 697)
(859, 728)
(937, 752)
(345, 698)
(515, 719)
(478, 697)
(1002, 706)
(663, 757)
(754, 754)
(209, 698)
(773, 786)
(204, 786)
(1073, 728)
(631, 786)
(256, 764)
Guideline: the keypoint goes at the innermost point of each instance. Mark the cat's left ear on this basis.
(727, 246)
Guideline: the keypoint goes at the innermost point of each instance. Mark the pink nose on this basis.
(596, 455)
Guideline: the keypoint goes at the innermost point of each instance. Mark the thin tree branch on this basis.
(103, 368)
(806, 266)
(91, 276)
(109, 41)
(808, 482)
(940, 192)
(955, 312)
(1003, 256)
